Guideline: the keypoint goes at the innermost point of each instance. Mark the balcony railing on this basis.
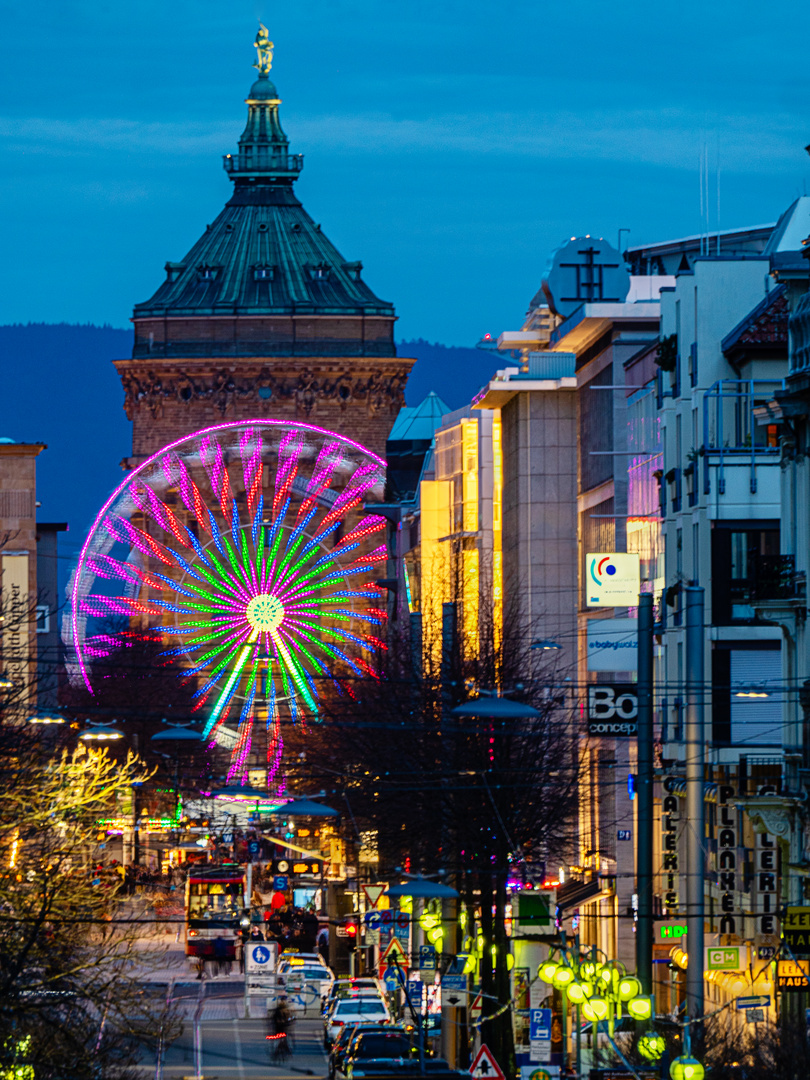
(777, 579)
(731, 434)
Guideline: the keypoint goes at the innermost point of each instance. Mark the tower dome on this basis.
(263, 315)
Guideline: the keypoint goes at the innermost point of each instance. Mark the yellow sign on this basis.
(612, 579)
(394, 951)
(796, 930)
(792, 976)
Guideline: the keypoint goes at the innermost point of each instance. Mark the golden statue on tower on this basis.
(264, 49)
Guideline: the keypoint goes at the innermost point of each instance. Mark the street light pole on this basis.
(644, 825)
(695, 838)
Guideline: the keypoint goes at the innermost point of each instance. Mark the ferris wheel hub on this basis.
(265, 613)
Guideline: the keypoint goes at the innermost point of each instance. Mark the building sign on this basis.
(766, 904)
(672, 931)
(16, 611)
(792, 976)
(612, 579)
(796, 931)
(726, 856)
(613, 710)
(669, 845)
(612, 645)
(726, 958)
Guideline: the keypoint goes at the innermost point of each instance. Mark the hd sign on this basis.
(612, 579)
(613, 710)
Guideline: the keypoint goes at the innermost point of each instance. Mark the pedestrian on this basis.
(239, 950)
(221, 956)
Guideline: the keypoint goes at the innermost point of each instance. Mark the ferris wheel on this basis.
(246, 547)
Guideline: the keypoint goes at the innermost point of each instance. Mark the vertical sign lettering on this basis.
(727, 856)
(765, 882)
(669, 828)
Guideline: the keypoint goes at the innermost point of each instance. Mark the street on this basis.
(232, 1045)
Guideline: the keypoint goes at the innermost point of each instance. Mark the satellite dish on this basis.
(585, 270)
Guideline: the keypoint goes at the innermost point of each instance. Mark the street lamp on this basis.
(45, 718)
(686, 1068)
(5, 682)
(547, 645)
(100, 733)
(495, 708)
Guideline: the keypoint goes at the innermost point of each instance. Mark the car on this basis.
(345, 986)
(344, 1038)
(386, 1049)
(354, 1010)
(357, 992)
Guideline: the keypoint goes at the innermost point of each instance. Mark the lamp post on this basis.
(421, 888)
(176, 737)
(598, 990)
(501, 713)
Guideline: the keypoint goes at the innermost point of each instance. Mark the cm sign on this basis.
(613, 710)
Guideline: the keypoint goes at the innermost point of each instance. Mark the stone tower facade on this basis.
(263, 317)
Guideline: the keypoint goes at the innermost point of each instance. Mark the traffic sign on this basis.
(394, 951)
(373, 893)
(373, 919)
(475, 1009)
(453, 996)
(261, 956)
(486, 1066)
(540, 1035)
(757, 1001)
(754, 1016)
(427, 958)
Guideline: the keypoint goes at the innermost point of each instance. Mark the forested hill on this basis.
(60, 388)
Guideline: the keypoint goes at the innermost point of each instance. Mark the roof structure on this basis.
(763, 330)
(419, 423)
(263, 255)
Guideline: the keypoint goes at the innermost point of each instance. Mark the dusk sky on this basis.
(450, 146)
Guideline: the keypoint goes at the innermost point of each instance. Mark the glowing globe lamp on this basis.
(605, 976)
(576, 993)
(651, 1046)
(548, 971)
(595, 1009)
(563, 977)
(587, 970)
(686, 1068)
(640, 1008)
(629, 987)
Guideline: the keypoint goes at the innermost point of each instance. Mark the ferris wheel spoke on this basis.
(247, 610)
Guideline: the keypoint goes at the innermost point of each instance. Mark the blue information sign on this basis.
(280, 882)
(540, 1025)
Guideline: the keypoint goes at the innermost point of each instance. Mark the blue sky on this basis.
(450, 146)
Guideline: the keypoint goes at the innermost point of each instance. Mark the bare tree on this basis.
(71, 977)
(478, 799)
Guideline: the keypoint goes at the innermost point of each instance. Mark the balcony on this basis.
(732, 435)
(776, 579)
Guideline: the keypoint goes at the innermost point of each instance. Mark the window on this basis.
(264, 273)
(743, 558)
(746, 699)
(43, 617)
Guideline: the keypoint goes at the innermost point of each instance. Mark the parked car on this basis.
(354, 1010)
(371, 1051)
(365, 984)
(343, 1040)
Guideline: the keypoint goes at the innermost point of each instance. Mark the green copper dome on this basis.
(264, 255)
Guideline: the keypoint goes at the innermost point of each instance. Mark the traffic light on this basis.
(352, 928)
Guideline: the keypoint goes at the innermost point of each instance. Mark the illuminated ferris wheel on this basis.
(247, 548)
